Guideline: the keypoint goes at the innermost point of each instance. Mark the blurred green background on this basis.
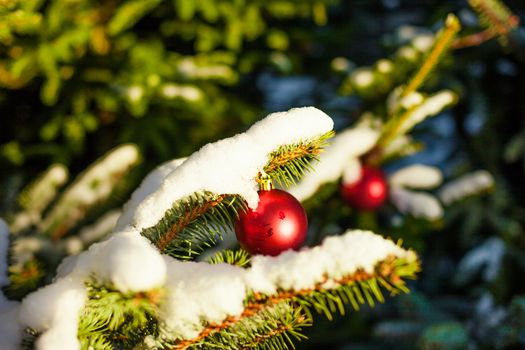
(78, 78)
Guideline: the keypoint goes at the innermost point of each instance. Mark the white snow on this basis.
(418, 204)
(431, 106)
(55, 310)
(467, 185)
(200, 292)
(416, 176)
(411, 100)
(149, 184)
(42, 191)
(127, 260)
(337, 158)
(289, 270)
(229, 165)
(352, 171)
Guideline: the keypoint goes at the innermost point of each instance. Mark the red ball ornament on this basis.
(277, 224)
(369, 192)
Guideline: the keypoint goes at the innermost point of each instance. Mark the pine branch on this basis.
(496, 17)
(276, 337)
(25, 278)
(356, 289)
(405, 119)
(99, 182)
(396, 124)
(272, 328)
(289, 163)
(195, 222)
(232, 257)
(112, 319)
(441, 44)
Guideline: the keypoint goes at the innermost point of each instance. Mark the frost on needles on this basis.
(137, 289)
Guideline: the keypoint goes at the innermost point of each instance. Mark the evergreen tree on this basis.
(81, 269)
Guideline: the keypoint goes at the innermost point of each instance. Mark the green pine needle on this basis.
(114, 320)
(496, 17)
(233, 257)
(289, 163)
(25, 278)
(194, 223)
(273, 328)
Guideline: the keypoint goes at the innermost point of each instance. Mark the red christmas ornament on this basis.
(277, 224)
(369, 192)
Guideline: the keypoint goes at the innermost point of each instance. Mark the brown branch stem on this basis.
(479, 38)
(189, 216)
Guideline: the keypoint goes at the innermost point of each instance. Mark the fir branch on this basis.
(395, 126)
(193, 223)
(238, 257)
(441, 44)
(36, 196)
(496, 17)
(273, 328)
(356, 289)
(275, 338)
(270, 328)
(25, 278)
(112, 319)
(288, 163)
(90, 189)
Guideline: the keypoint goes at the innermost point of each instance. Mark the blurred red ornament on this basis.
(277, 224)
(369, 192)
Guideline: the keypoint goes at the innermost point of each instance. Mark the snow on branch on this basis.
(36, 196)
(91, 187)
(418, 204)
(228, 166)
(184, 205)
(465, 186)
(203, 299)
(347, 145)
